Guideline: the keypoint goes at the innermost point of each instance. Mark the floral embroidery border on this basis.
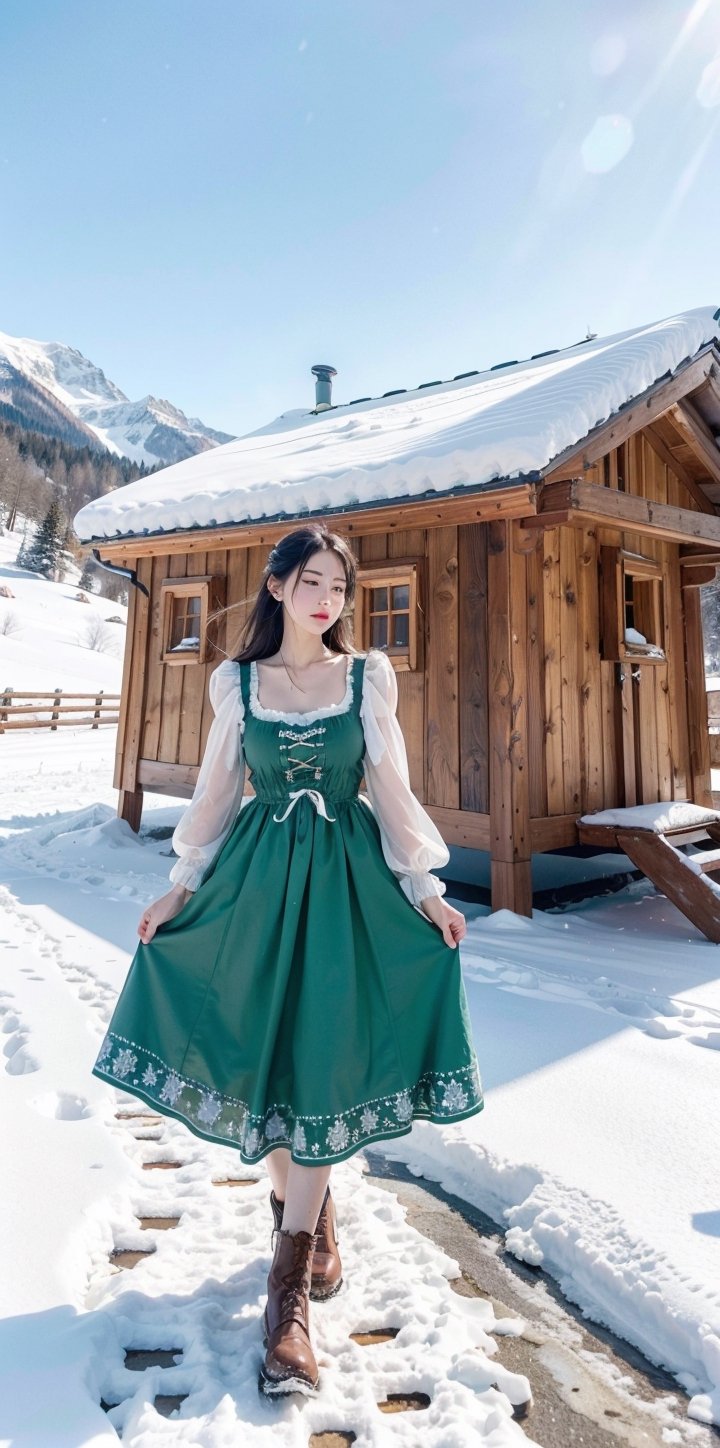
(443, 1096)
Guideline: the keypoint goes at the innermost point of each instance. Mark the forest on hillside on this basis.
(44, 481)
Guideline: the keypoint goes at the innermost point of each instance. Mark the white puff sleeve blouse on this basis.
(217, 797)
(411, 843)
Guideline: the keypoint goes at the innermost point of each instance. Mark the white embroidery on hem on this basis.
(438, 1095)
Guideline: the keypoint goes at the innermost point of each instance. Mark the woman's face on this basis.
(319, 598)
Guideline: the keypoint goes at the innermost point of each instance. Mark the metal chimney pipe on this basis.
(323, 386)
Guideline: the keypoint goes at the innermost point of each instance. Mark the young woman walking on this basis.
(297, 993)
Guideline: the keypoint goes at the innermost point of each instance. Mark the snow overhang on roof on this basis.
(495, 427)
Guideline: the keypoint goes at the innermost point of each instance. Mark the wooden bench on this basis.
(651, 836)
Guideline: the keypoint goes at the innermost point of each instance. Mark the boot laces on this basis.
(294, 1289)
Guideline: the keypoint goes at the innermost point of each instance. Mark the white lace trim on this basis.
(326, 712)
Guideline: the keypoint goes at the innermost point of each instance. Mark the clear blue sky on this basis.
(207, 196)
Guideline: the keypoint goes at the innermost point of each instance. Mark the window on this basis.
(184, 612)
(632, 607)
(386, 610)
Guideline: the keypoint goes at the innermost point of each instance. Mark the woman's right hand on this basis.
(162, 910)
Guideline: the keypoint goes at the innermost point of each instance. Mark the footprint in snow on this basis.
(711, 1040)
(17, 1040)
(660, 1031)
(62, 1106)
(21, 1063)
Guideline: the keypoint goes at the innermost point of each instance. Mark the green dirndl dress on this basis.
(298, 998)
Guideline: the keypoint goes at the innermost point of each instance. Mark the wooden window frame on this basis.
(617, 566)
(398, 571)
(170, 589)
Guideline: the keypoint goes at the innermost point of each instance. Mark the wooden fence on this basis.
(103, 709)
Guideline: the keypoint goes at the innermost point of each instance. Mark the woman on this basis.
(297, 992)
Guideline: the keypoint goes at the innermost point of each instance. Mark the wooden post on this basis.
(511, 872)
(5, 701)
(98, 702)
(56, 702)
(698, 735)
(132, 707)
(130, 806)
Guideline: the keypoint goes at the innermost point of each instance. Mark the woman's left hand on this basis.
(450, 921)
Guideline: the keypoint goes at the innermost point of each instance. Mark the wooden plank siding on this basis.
(130, 655)
(510, 843)
(155, 667)
(410, 543)
(592, 743)
(535, 665)
(552, 590)
(569, 673)
(138, 646)
(472, 667)
(603, 741)
(442, 687)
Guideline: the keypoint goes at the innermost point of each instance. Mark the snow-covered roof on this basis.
(496, 426)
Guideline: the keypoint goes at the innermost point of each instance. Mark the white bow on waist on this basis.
(316, 798)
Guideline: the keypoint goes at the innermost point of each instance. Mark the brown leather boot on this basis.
(289, 1365)
(327, 1278)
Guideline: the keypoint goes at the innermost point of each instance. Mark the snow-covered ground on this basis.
(47, 644)
(598, 1033)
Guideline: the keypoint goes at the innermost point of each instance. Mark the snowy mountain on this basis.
(55, 389)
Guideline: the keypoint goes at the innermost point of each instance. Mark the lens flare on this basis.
(607, 144)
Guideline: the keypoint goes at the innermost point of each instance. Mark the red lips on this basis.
(320, 615)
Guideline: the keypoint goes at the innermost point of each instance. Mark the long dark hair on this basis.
(262, 634)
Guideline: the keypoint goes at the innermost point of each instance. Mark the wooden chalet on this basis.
(544, 624)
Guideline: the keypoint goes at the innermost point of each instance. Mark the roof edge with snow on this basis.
(477, 433)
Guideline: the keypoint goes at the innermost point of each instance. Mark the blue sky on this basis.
(208, 196)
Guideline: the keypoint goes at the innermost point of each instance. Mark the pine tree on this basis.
(44, 553)
(22, 552)
(89, 574)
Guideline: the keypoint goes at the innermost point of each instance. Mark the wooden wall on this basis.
(582, 702)
(567, 730)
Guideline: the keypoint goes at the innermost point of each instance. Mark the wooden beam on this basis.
(461, 826)
(556, 832)
(712, 389)
(467, 828)
(698, 575)
(693, 427)
(605, 836)
(634, 416)
(659, 445)
(472, 506)
(692, 554)
(581, 502)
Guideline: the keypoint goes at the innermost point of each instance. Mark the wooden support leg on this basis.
(511, 886)
(130, 807)
(672, 873)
